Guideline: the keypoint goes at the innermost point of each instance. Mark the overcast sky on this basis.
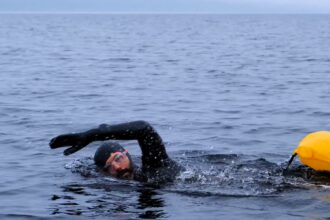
(165, 6)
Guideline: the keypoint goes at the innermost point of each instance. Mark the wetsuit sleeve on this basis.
(151, 144)
(152, 147)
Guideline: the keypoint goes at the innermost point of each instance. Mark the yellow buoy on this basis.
(314, 151)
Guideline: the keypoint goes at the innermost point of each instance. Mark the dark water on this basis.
(231, 95)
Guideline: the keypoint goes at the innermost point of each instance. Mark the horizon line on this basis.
(164, 13)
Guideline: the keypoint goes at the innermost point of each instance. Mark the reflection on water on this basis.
(151, 203)
(111, 200)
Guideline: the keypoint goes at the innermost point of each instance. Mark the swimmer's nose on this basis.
(116, 166)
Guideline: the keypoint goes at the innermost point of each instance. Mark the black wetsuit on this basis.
(156, 164)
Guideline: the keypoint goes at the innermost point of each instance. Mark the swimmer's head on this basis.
(114, 160)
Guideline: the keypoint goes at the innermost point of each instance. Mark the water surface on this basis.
(231, 95)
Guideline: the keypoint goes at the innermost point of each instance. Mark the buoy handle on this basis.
(290, 161)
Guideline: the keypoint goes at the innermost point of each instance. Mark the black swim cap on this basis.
(103, 153)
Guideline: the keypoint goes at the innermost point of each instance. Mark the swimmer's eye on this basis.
(118, 158)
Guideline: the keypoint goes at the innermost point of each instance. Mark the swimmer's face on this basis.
(119, 165)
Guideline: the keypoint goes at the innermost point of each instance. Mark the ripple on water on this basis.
(235, 84)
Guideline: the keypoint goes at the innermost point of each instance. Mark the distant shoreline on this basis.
(151, 13)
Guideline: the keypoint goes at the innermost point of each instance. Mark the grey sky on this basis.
(174, 6)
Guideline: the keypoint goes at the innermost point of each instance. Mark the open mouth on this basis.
(125, 173)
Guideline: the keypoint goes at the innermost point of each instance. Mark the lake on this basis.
(231, 95)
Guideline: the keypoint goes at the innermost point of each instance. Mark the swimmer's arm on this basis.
(151, 144)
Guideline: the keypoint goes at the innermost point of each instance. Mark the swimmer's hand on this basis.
(77, 141)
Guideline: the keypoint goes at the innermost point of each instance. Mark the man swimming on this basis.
(113, 159)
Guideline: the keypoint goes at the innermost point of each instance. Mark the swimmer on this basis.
(114, 159)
